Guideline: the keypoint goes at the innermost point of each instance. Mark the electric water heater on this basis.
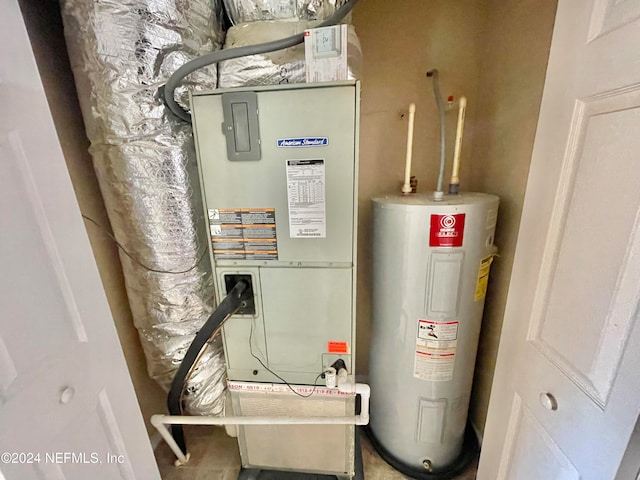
(431, 261)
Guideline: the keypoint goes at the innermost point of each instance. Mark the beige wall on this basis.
(45, 31)
(494, 52)
(514, 58)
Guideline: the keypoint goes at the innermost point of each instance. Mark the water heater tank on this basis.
(431, 262)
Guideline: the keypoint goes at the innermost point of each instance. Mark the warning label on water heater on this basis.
(306, 196)
(436, 344)
(446, 230)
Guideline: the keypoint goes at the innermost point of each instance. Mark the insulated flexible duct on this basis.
(211, 58)
(121, 52)
(242, 11)
(283, 66)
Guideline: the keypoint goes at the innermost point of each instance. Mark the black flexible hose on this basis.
(231, 303)
(168, 92)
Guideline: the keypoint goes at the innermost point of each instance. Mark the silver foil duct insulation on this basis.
(282, 66)
(242, 11)
(122, 52)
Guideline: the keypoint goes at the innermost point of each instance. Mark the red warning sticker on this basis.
(338, 347)
(447, 230)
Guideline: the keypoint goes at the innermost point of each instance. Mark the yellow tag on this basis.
(483, 277)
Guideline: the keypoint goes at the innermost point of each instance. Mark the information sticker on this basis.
(483, 278)
(435, 354)
(243, 233)
(306, 196)
(337, 347)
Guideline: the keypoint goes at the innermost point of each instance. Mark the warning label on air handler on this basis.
(243, 233)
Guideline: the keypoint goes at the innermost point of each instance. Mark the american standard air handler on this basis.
(278, 168)
(278, 176)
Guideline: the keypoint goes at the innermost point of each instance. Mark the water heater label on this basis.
(447, 230)
(483, 278)
(436, 345)
(437, 331)
(306, 196)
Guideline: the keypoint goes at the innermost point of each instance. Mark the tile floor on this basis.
(215, 456)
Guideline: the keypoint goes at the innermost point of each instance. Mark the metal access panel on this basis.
(278, 167)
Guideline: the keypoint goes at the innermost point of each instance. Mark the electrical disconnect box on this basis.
(278, 168)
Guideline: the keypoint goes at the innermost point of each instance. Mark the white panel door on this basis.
(566, 393)
(67, 405)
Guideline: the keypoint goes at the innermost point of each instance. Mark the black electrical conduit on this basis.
(227, 307)
(168, 91)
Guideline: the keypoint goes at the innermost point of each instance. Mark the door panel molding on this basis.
(596, 380)
(114, 436)
(610, 15)
(14, 141)
(527, 439)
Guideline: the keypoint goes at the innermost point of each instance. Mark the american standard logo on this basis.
(303, 142)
